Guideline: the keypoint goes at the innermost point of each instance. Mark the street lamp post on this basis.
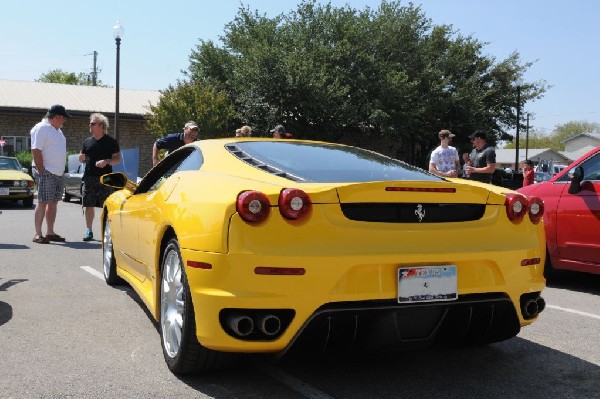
(117, 34)
(519, 83)
(527, 137)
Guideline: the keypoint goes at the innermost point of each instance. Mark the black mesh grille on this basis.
(377, 326)
(413, 212)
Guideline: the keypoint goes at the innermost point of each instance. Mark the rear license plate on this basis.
(427, 283)
(4, 191)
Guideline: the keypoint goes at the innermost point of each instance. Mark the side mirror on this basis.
(575, 186)
(24, 170)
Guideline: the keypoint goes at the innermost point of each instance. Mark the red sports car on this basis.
(572, 215)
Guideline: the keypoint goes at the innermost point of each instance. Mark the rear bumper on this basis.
(353, 299)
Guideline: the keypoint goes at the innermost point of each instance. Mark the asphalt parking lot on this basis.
(65, 333)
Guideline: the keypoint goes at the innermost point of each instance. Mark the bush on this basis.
(25, 159)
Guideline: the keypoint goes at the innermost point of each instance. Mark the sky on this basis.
(37, 36)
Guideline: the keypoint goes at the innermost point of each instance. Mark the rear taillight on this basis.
(253, 206)
(294, 203)
(535, 208)
(516, 207)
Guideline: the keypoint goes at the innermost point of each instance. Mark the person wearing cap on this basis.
(280, 133)
(99, 152)
(483, 158)
(444, 159)
(173, 141)
(49, 152)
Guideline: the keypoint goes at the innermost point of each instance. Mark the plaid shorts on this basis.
(94, 192)
(50, 187)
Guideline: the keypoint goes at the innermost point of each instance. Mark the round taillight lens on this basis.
(253, 206)
(294, 203)
(535, 209)
(516, 206)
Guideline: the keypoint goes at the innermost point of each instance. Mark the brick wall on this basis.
(132, 132)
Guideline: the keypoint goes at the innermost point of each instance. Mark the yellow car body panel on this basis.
(344, 260)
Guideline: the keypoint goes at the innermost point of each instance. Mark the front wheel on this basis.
(28, 202)
(181, 349)
(109, 262)
(66, 197)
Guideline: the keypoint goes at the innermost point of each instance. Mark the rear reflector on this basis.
(531, 262)
(422, 189)
(199, 265)
(282, 271)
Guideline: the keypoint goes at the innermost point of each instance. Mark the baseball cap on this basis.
(58, 109)
(278, 128)
(192, 125)
(478, 134)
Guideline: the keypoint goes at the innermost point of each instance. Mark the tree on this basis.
(199, 102)
(340, 74)
(69, 78)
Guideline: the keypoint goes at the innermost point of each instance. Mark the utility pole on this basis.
(95, 71)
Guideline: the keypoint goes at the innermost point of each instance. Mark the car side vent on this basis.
(413, 212)
(237, 152)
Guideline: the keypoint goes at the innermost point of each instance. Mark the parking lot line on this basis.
(593, 316)
(93, 272)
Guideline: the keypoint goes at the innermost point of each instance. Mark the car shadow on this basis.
(94, 244)
(14, 246)
(511, 369)
(575, 281)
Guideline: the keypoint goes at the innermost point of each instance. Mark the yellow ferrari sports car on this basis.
(250, 245)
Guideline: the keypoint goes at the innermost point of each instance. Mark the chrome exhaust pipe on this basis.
(242, 326)
(530, 309)
(270, 325)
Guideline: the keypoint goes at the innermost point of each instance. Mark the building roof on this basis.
(507, 156)
(85, 99)
(591, 135)
(573, 155)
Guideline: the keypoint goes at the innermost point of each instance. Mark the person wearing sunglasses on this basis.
(173, 141)
(99, 152)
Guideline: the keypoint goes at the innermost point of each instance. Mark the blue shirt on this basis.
(170, 142)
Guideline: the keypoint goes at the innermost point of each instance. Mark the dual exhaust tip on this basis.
(531, 307)
(268, 326)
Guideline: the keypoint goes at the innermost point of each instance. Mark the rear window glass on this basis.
(330, 163)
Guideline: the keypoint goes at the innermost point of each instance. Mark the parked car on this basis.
(73, 180)
(256, 245)
(572, 215)
(15, 183)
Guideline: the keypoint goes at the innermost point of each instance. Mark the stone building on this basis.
(23, 104)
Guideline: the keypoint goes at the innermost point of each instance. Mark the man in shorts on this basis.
(49, 152)
(99, 152)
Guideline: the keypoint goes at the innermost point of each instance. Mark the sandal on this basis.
(40, 239)
(55, 237)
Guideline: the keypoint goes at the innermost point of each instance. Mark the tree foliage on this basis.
(342, 74)
(556, 139)
(208, 107)
(69, 78)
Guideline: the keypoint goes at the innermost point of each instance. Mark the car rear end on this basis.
(371, 266)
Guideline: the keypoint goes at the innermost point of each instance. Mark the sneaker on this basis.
(89, 236)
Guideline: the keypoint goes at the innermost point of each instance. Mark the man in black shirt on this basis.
(483, 158)
(99, 152)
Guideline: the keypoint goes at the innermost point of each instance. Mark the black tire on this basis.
(181, 349)
(108, 257)
(66, 197)
(28, 202)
